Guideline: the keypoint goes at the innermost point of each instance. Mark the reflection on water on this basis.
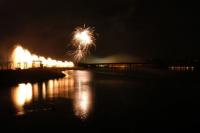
(21, 95)
(75, 86)
(82, 101)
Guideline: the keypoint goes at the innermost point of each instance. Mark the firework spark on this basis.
(83, 36)
(78, 55)
(83, 39)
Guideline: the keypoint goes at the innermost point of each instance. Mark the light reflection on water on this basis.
(75, 86)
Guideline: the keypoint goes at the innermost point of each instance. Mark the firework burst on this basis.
(83, 39)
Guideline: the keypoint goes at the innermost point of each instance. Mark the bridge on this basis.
(119, 66)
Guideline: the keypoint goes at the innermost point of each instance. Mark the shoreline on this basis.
(9, 77)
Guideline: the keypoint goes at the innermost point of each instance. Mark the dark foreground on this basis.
(104, 102)
(27, 75)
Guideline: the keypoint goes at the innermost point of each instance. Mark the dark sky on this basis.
(138, 28)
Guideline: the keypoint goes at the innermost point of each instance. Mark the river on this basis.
(101, 101)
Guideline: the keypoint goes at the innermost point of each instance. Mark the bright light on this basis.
(23, 59)
(83, 39)
(21, 95)
(83, 36)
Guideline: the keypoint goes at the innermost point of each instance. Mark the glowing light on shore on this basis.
(83, 39)
(23, 59)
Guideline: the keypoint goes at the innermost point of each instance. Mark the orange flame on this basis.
(23, 59)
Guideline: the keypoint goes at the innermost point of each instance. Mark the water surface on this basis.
(103, 101)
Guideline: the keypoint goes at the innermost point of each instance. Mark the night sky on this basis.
(142, 29)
